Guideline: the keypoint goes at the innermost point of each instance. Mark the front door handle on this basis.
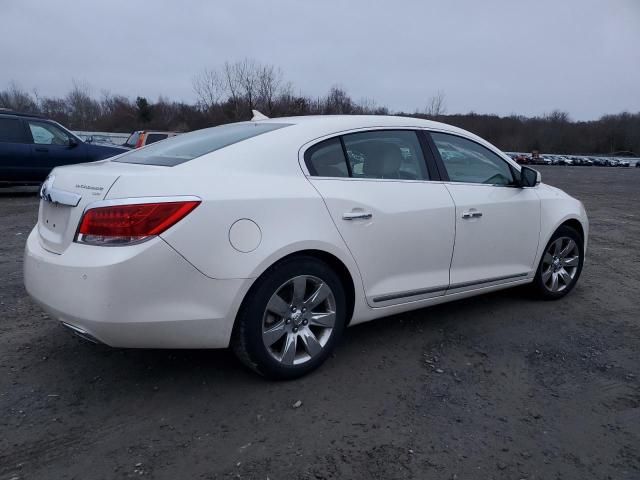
(42, 149)
(471, 214)
(357, 216)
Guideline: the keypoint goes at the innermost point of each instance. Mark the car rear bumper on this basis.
(140, 296)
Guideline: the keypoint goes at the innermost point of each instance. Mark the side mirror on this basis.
(73, 142)
(529, 177)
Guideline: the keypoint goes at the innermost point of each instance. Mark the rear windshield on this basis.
(185, 147)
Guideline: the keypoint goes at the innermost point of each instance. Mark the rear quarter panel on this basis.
(243, 182)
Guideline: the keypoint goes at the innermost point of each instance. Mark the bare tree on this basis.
(83, 109)
(232, 86)
(15, 98)
(209, 88)
(269, 87)
(247, 73)
(338, 101)
(436, 105)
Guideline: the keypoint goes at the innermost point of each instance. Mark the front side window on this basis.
(47, 134)
(467, 161)
(185, 147)
(390, 154)
(11, 131)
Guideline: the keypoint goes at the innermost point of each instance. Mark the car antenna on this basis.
(258, 116)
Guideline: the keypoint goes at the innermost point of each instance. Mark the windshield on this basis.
(182, 148)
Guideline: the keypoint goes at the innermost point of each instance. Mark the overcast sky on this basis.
(489, 56)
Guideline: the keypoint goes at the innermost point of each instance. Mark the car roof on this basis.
(316, 126)
(348, 122)
(5, 111)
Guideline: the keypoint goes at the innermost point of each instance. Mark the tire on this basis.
(560, 260)
(268, 327)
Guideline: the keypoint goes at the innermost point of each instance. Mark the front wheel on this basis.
(560, 265)
(292, 319)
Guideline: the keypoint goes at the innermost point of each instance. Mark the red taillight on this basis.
(130, 223)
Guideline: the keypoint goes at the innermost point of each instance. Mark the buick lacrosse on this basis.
(271, 236)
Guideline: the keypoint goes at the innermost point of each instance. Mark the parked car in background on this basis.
(141, 138)
(272, 236)
(624, 163)
(31, 146)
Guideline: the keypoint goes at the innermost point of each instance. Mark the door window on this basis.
(11, 131)
(155, 137)
(382, 154)
(467, 161)
(47, 134)
(388, 154)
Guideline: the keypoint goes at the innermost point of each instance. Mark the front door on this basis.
(398, 225)
(52, 147)
(497, 222)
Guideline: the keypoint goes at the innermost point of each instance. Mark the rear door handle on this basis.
(356, 216)
(471, 214)
(41, 149)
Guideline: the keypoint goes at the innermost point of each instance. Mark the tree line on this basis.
(229, 93)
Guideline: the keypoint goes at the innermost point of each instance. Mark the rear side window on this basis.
(381, 154)
(155, 137)
(391, 154)
(11, 131)
(326, 159)
(185, 147)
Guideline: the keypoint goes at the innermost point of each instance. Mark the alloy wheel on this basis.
(560, 264)
(298, 320)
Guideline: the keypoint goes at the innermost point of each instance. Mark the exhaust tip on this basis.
(82, 333)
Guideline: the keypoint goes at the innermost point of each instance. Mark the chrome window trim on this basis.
(307, 145)
(447, 289)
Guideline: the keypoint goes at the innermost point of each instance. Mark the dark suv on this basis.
(31, 146)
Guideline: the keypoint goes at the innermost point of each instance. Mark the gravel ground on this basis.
(499, 386)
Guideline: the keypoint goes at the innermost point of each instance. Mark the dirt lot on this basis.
(526, 389)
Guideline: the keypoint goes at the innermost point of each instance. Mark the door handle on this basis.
(471, 214)
(357, 216)
(41, 149)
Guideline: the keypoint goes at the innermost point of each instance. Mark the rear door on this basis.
(53, 147)
(396, 220)
(497, 222)
(15, 151)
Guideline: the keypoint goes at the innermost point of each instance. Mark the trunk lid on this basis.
(66, 194)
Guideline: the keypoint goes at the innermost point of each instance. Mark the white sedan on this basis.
(271, 236)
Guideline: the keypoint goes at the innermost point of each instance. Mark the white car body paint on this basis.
(184, 288)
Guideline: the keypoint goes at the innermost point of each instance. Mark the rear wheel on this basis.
(560, 265)
(292, 319)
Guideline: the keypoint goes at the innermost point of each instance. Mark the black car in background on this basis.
(31, 146)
